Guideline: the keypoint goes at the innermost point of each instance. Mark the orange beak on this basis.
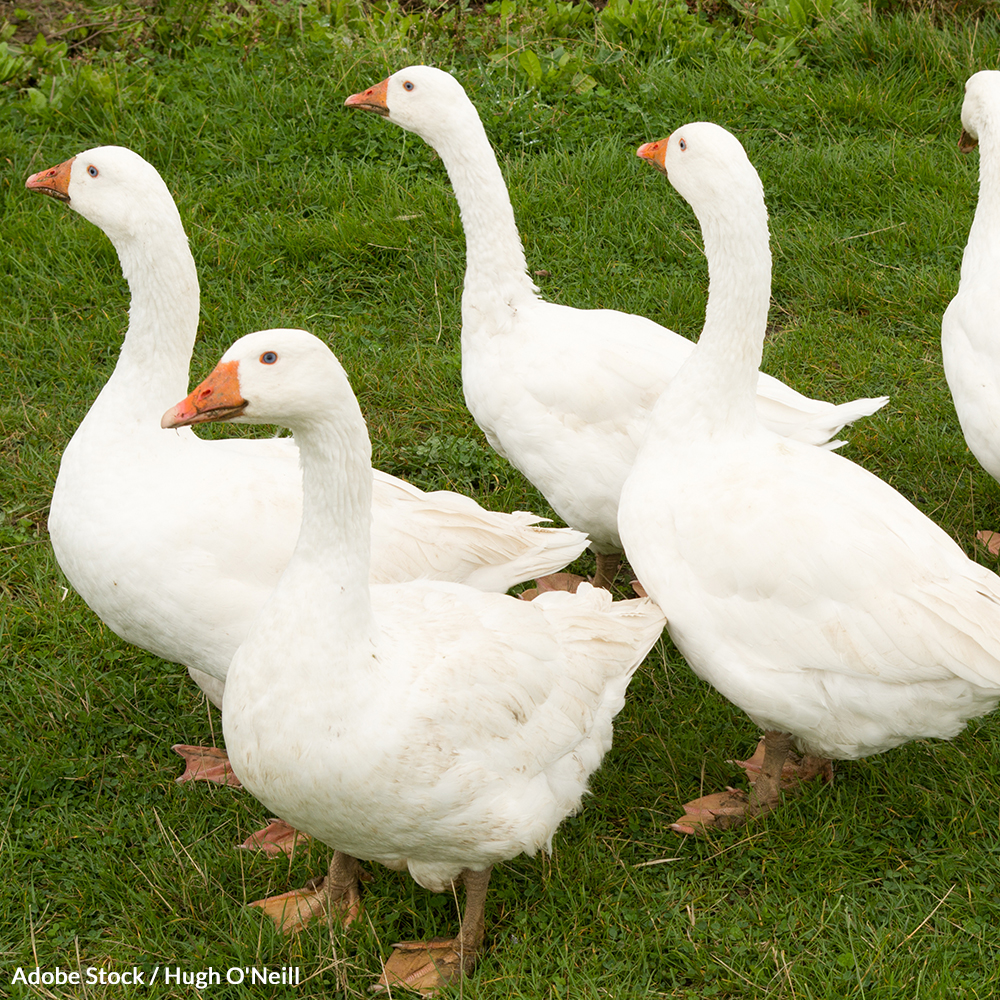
(967, 143)
(53, 182)
(372, 99)
(217, 398)
(656, 153)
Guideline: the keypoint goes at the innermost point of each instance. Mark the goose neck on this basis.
(716, 388)
(330, 565)
(495, 259)
(983, 236)
(152, 369)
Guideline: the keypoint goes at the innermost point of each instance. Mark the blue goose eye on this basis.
(93, 171)
(408, 85)
(268, 358)
(683, 145)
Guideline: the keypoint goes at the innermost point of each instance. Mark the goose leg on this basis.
(723, 810)
(339, 895)
(796, 771)
(425, 966)
(607, 567)
(766, 791)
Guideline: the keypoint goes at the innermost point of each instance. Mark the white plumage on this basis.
(424, 725)
(970, 329)
(808, 591)
(181, 571)
(564, 394)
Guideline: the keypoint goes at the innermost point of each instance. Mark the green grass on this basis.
(303, 214)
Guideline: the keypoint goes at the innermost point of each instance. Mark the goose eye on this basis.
(93, 171)
(268, 358)
(683, 145)
(408, 85)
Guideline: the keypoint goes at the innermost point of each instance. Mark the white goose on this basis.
(183, 575)
(564, 394)
(423, 725)
(808, 591)
(970, 329)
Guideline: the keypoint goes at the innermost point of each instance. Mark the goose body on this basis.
(970, 328)
(564, 394)
(460, 730)
(182, 575)
(804, 588)
(423, 725)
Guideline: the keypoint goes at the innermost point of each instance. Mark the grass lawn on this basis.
(301, 213)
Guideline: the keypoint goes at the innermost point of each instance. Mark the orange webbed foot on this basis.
(338, 895)
(766, 769)
(554, 581)
(293, 911)
(206, 764)
(718, 811)
(278, 837)
(425, 966)
(990, 540)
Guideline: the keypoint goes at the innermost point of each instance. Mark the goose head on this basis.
(708, 166)
(286, 377)
(112, 187)
(980, 107)
(420, 99)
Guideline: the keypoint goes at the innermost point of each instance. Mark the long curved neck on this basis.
(983, 247)
(716, 388)
(495, 262)
(329, 569)
(152, 369)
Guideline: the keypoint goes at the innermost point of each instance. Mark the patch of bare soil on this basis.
(58, 20)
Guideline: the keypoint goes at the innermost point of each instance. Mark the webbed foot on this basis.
(554, 581)
(425, 966)
(278, 837)
(206, 764)
(338, 895)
